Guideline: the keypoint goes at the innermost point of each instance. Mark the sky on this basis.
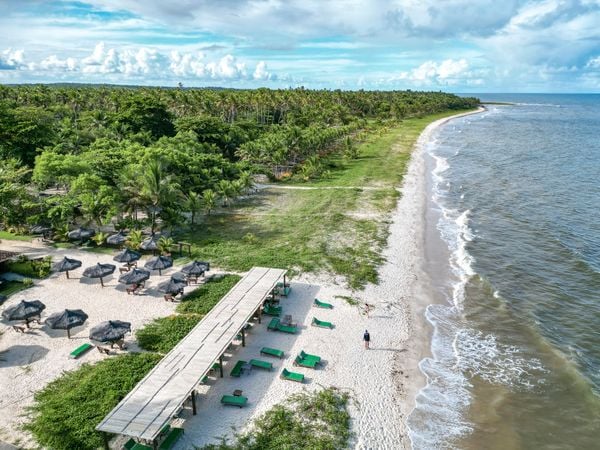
(450, 45)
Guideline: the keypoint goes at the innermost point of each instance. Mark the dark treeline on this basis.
(116, 152)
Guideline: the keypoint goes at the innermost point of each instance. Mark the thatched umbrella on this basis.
(179, 276)
(116, 239)
(81, 234)
(67, 319)
(173, 286)
(127, 256)
(196, 268)
(24, 311)
(99, 271)
(110, 331)
(40, 229)
(67, 264)
(150, 243)
(159, 263)
(135, 276)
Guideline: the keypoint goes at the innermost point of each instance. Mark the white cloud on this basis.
(593, 63)
(447, 72)
(53, 63)
(12, 59)
(261, 73)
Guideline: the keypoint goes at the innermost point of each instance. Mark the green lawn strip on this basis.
(67, 410)
(12, 287)
(14, 237)
(203, 299)
(316, 420)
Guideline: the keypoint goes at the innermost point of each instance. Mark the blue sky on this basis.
(450, 45)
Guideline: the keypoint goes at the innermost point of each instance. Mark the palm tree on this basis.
(225, 190)
(134, 239)
(193, 204)
(209, 200)
(164, 244)
(158, 190)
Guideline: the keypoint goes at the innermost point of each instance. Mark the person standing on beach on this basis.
(367, 339)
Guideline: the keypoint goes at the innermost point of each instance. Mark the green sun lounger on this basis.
(171, 439)
(129, 444)
(292, 376)
(270, 310)
(80, 350)
(237, 369)
(261, 364)
(272, 352)
(304, 355)
(282, 289)
(234, 400)
(319, 304)
(310, 363)
(139, 446)
(320, 323)
(275, 324)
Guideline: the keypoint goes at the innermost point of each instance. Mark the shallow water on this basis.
(515, 198)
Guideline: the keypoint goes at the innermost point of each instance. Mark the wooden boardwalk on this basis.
(157, 398)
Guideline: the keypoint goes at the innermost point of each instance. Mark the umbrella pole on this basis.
(67, 274)
(68, 333)
(159, 272)
(101, 282)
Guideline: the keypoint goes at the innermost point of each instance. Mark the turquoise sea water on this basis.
(514, 197)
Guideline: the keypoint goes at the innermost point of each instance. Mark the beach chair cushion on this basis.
(319, 304)
(272, 352)
(139, 446)
(261, 364)
(129, 444)
(171, 439)
(80, 350)
(237, 369)
(287, 328)
(292, 376)
(273, 324)
(234, 400)
(304, 355)
(310, 363)
(321, 323)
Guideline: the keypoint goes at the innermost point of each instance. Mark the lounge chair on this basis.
(310, 363)
(234, 400)
(19, 328)
(292, 376)
(139, 446)
(275, 324)
(169, 298)
(237, 369)
(271, 310)
(309, 356)
(272, 352)
(287, 321)
(320, 323)
(129, 444)
(319, 304)
(80, 350)
(282, 289)
(124, 269)
(135, 289)
(261, 364)
(173, 435)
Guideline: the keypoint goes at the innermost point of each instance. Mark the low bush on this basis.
(317, 420)
(202, 300)
(161, 335)
(31, 268)
(67, 410)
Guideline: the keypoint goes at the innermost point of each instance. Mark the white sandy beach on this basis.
(382, 381)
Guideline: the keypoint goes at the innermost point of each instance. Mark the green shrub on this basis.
(318, 420)
(67, 410)
(202, 300)
(30, 268)
(161, 335)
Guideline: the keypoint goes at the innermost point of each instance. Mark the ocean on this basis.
(513, 259)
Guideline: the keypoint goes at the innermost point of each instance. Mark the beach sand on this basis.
(382, 381)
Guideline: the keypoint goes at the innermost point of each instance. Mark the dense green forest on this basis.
(156, 157)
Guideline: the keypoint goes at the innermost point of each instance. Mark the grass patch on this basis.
(31, 268)
(161, 335)
(203, 299)
(317, 420)
(12, 287)
(63, 245)
(101, 250)
(350, 300)
(14, 237)
(67, 410)
(330, 226)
